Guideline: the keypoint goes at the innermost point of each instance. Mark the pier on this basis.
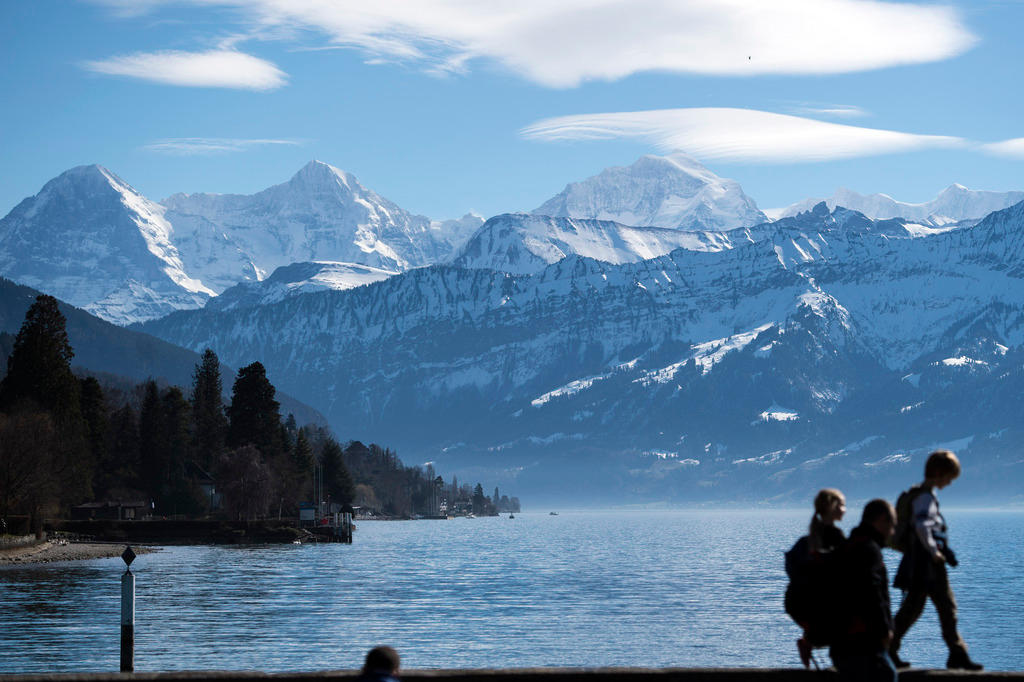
(529, 675)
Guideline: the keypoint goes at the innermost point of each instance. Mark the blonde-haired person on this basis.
(922, 571)
(823, 538)
(829, 507)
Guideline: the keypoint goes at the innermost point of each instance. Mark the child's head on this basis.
(381, 660)
(829, 505)
(942, 467)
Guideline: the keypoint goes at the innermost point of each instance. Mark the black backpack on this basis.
(903, 534)
(813, 592)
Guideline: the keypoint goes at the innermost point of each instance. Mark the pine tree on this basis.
(253, 416)
(337, 480)
(152, 464)
(39, 377)
(39, 367)
(210, 424)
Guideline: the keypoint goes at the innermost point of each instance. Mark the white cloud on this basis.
(564, 43)
(212, 69)
(833, 110)
(1013, 149)
(193, 146)
(738, 134)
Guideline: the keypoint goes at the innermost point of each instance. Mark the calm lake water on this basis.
(646, 589)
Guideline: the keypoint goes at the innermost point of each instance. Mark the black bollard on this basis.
(128, 613)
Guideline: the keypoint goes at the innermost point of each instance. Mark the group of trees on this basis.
(65, 440)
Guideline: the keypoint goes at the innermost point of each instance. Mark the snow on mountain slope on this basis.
(672, 191)
(90, 239)
(522, 244)
(322, 213)
(953, 205)
(689, 354)
(295, 279)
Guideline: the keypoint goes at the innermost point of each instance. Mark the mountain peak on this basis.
(319, 173)
(674, 191)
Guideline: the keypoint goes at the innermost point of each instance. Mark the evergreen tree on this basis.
(337, 480)
(210, 424)
(94, 414)
(119, 474)
(478, 499)
(253, 415)
(39, 377)
(39, 367)
(178, 495)
(152, 465)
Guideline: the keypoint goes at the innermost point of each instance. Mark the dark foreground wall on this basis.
(530, 675)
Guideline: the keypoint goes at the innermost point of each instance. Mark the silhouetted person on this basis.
(922, 572)
(860, 650)
(823, 538)
(381, 665)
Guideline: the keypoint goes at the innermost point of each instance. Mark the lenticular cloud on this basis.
(213, 69)
(562, 44)
(738, 134)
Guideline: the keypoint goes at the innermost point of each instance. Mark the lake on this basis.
(651, 589)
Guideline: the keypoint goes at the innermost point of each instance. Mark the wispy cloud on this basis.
(832, 110)
(212, 69)
(738, 134)
(194, 146)
(1013, 149)
(562, 44)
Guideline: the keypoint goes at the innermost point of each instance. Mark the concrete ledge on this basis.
(525, 675)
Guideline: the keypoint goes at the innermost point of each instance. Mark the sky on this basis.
(454, 106)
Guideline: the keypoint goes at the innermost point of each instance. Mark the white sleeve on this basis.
(926, 517)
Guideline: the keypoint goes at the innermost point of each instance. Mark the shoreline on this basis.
(52, 551)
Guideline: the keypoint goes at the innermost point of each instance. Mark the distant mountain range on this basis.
(648, 334)
(91, 239)
(955, 204)
(827, 348)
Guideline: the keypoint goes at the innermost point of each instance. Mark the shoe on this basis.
(961, 661)
(899, 662)
(804, 647)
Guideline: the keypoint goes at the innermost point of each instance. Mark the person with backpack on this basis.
(863, 623)
(809, 567)
(922, 536)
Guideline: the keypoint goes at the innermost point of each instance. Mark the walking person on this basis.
(864, 625)
(922, 572)
(823, 539)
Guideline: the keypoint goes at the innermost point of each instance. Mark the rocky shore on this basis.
(62, 550)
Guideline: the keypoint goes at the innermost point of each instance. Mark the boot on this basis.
(959, 660)
(804, 648)
(898, 662)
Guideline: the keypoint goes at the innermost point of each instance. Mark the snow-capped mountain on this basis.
(521, 243)
(295, 279)
(826, 348)
(322, 213)
(92, 240)
(953, 205)
(672, 191)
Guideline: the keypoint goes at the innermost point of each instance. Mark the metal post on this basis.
(128, 613)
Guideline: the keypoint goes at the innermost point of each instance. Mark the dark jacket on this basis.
(865, 616)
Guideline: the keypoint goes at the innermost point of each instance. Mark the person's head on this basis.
(382, 660)
(881, 516)
(829, 505)
(941, 468)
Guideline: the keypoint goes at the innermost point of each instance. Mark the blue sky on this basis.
(449, 106)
